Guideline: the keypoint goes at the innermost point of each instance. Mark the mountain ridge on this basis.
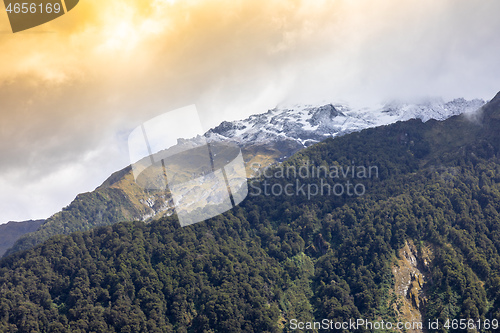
(308, 124)
(265, 139)
(11, 231)
(278, 258)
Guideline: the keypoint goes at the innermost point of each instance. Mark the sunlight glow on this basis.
(125, 32)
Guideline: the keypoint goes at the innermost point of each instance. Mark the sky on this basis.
(72, 90)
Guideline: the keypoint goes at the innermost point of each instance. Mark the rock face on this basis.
(414, 290)
(410, 282)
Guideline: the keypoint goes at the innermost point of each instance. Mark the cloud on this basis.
(78, 85)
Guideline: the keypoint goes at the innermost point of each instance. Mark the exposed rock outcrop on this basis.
(410, 282)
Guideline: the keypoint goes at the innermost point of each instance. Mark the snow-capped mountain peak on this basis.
(306, 124)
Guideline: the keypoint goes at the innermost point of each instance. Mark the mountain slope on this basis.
(276, 258)
(264, 139)
(10, 232)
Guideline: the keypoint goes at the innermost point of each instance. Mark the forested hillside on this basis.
(120, 199)
(280, 257)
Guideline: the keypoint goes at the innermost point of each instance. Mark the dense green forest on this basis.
(275, 258)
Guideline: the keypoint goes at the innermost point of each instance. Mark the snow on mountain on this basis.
(308, 124)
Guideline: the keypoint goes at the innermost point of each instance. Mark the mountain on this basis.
(10, 232)
(264, 139)
(308, 124)
(420, 243)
